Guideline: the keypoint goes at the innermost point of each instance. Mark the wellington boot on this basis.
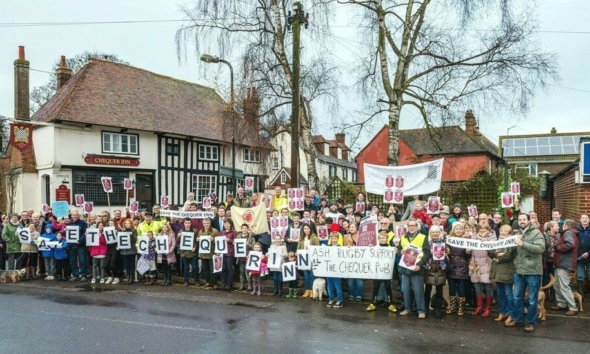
(478, 310)
(488, 310)
(460, 306)
(453, 300)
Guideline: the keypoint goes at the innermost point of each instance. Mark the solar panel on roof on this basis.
(554, 145)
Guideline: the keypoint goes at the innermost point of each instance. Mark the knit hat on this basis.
(334, 228)
(457, 205)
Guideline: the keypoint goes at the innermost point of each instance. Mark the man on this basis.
(24, 218)
(218, 220)
(457, 213)
(149, 224)
(413, 280)
(556, 216)
(241, 200)
(564, 261)
(190, 257)
(308, 203)
(281, 200)
(583, 251)
(444, 219)
(496, 223)
(294, 225)
(529, 270)
(315, 199)
(118, 217)
(308, 219)
(77, 249)
(156, 215)
(334, 214)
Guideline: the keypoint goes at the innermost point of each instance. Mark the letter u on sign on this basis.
(221, 244)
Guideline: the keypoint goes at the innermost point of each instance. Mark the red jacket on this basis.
(422, 215)
(257, 272)
(101, 249)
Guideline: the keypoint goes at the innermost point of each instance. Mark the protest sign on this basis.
(107, 184)
(249, 183)
(289, 271)
(72, 234)
(515, 188)
(134, 206)
(322, 232)
(205, 244)
(143, 244)
(110, 235)
(433, 205)
(124, 240)
(367, 232)
(206, 203)
(187, 241)
(507, 200)
(221, 244)
(268, 200)
(274, 258)
(438, 251)
(254, 261)
(60, 209)
(352, 262)
(472, 211)
(92, 238)
(360, 207)
(127, 184)
(303, 262)
(162, 244)
(164, 201)
(24, 235)
(240, 248)
(294, 234)
(411, 255)
(479, 245)
(44, 208)
(217, 263)
(88, 207)
(79, 198)
(179, 214)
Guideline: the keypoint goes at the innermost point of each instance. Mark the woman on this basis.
(207, 258)
(308, 238)
(552, 235)
(479, 269)
(435, 272)
(168, 258)
(355, 286)
(502, 274)
(459, 271)
(277, 273)
(110, 262)
(30, 252)
(244, 274)
(128, 255)
(227, 273)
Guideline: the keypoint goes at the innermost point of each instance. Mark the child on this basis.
(292, 283)
(48, 256)
(277, 273)
(62, 260)
(334, 284)
(255, 274)
(382, 238)
(98, 254)
(151, 258)
(420, 213)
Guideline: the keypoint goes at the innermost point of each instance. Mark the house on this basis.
(534, 153)
(170, 136)
(466, 151)
(333, 159)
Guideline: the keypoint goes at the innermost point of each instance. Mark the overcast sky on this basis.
(151, 46)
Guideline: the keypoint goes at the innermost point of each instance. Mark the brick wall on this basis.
(543, 209)
(570, 198)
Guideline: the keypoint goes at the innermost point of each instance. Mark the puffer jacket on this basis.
(435, 274)
(528, 256)
(459, 262)
(480, 257)
(502, 270)
(11, 239)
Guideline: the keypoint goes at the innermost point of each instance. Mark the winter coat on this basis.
(435, 274)
(459, 262)
(50, 253)
(188, 253)
(584, 244)
(502, 270)
(133, 249)
(101, 249)
(566, 250)
(213, 232)
(31, 247)
(229, 237)
(313, 241)
(61, 253)
(480, 257)
(528, 257)
(10, 237)
(170, 256)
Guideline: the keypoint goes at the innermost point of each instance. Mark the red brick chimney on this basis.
(340, 137)
(63, 73)
(252, 108)
(471, 124)
(21, 86)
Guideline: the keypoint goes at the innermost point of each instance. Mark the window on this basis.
(120, 143)
(173, 149)
(251, 155)
(530, 169)
(283, 177)
(332, 171)
(275, 162)
(87, 182)
(202, 185)
(208, 152)
(353, 176)
(345, 173)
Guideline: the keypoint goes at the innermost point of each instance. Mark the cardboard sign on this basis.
(162, 245)
(60, 209)
(79, 199)
(205, 244)
(240, 248)
(254, 261)
(107, 184)
(303, 261)
(367, 232)
(110, 234)
(352, 262)
(24, 235)
(143, 243)
(72, 234)
(124, 240)
(187, 241)
(217, 263)
(92, 237)
(289, 271)
(221, 244)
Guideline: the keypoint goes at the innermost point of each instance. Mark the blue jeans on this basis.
(355, 288)
(194, 263)
(533, 282)
(456, 287)
(335, 289)
(505, 299)
(413, 283)
(308, 279)
(580, 270)
(76, 255)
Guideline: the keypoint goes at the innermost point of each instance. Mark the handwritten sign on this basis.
(368, 232)
(352, 262)
(60, 209)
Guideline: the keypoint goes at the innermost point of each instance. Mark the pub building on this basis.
(169, 136)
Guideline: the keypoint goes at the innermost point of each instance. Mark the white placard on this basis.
(204, 244)
(411, 255)
(254, 260)
(352, 262)
(303, 260)
(107, 184)
(72, 234)
(438, 251)
(481, 245)
(274, 258)
(92, 237)
(507, 200)
(240, 248)
(43, 244)
(162, 244)
(289, 271)
(143, 243)
(164, 201)
(217, 263)
(221, 244)
(187, 241)
(179, 214)
(24, 235)
(124, 240)
(110, 234)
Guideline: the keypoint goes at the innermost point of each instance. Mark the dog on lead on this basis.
(319, 288)
(14, 275)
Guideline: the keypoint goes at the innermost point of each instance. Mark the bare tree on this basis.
(41, 94)
(444, 56)
(258, 31)
(4, 134)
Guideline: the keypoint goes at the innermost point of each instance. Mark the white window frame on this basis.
(211, 150)
(208, 186)
(532, 169)
(275, 162)
(283, 177)
(117, 139)
(251, 155)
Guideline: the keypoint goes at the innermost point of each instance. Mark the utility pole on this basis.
(295, 21)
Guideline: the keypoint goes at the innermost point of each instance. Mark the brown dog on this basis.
(541, 298)
(14, 275)
(577, 296)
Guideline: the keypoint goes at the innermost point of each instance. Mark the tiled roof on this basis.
(334, 160)
(317, 139)
(450, 140)
(106, 93)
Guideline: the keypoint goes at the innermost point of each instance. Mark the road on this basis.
(80, 318)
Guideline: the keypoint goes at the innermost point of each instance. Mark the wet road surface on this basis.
(52, 318)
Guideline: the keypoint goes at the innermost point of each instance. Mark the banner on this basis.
(352, 262)
(368, 232)
(187, 214)
(423, 178)
(21, 136)
(254, 217)
(479, 245)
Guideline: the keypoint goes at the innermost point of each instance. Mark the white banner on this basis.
(419, 179)
(187, 214)
(479, 245)
(352, 262)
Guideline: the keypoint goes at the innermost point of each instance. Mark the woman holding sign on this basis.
(128, 255)
(435, 271)
(479, 269)
(206, 255)
(12, 242)
(227, 274)
(308, 238)
(502, 273)
(459, 272)
(169, 258)
(355, 286)
(30, 252)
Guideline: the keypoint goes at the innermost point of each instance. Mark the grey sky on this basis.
(151, 46)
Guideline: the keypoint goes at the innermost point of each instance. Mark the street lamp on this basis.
(213, 59)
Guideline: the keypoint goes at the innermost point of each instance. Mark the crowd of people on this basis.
(556, 252)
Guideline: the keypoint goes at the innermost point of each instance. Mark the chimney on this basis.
(553, 130)
(340, 137)
(345, 154)
(21, 86)
(252, 108)
(470, 124)
(63, 73)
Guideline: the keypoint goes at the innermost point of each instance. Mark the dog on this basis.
(542, 313)
(14, 275)
(319, 288)
(577, 296)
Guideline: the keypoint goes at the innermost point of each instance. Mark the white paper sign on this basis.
(438, 251)
(274, 258)
(43, 244)
(217, 263)
(411, 255)
(254, 260)
(110, 234)
(220, 244)
(72, 234)
(240, 248)
(143, 243)
(204, 244)
(479, 245)
(289, 271)
(107, 184)
(24, 235)
(92, 238)
(162, 244)
(124, 240)
(303, 261)
(187, 241)
(352, 262)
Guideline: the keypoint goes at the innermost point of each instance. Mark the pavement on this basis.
(53, 317)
